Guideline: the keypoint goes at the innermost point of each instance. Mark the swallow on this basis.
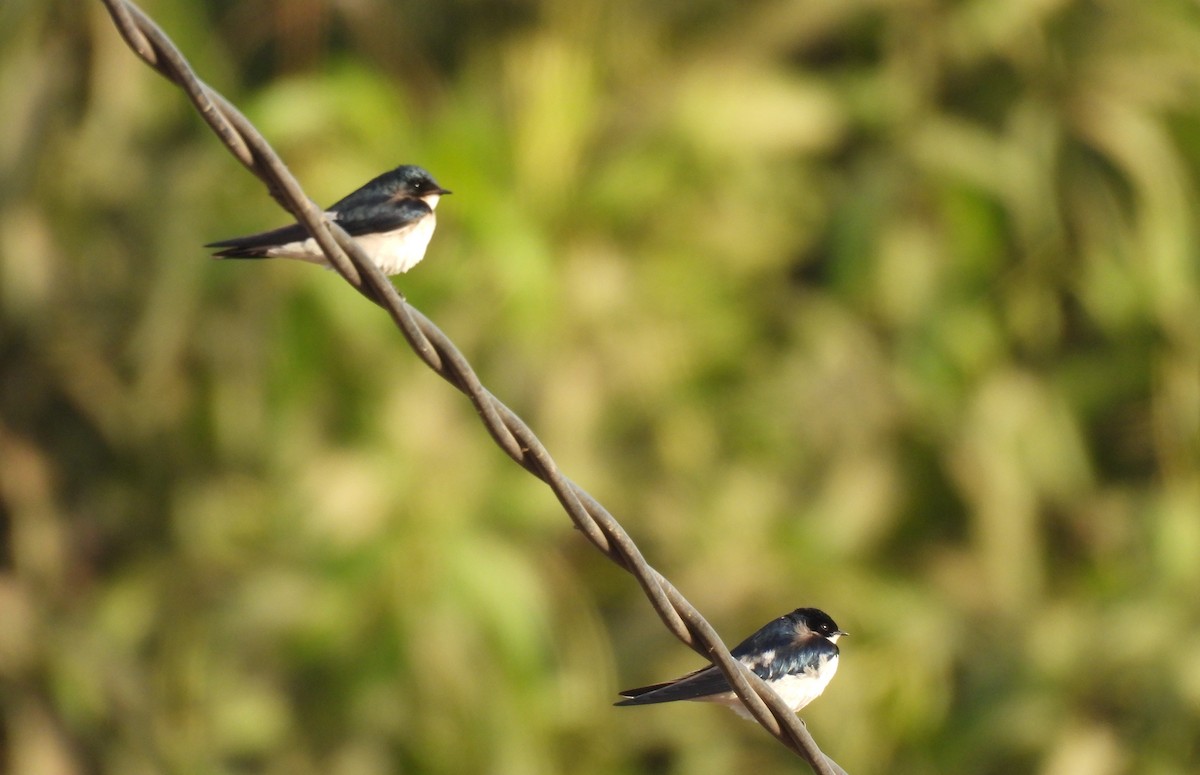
(796, 655)
(391, 217)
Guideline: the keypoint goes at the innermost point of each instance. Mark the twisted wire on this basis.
(432, 346)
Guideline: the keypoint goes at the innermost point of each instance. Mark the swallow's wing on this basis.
(259, 245)
(708, 681)
(378, 217)
(773, 652)
(702, 683)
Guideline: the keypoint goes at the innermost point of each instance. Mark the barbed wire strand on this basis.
(509, 432)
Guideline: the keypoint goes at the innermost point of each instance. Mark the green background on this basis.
(886, 307)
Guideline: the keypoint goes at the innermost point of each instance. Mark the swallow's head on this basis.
(412, 182)
(814, 621)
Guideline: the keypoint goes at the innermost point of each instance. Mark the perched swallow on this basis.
(391, 217)
(796, 655)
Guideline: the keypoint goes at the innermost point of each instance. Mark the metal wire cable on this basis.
(509, 432)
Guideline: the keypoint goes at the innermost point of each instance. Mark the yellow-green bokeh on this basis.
(891, 308)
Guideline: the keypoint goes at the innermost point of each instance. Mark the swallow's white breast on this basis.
(802, 688)
(400, 250)
(796, 690)
(392, 251)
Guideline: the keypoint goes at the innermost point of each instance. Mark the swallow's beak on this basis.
(431, 197)
(838, 634)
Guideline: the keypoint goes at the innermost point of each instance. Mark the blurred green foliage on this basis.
(884, 307)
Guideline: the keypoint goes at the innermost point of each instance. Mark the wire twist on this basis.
(432, 346)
